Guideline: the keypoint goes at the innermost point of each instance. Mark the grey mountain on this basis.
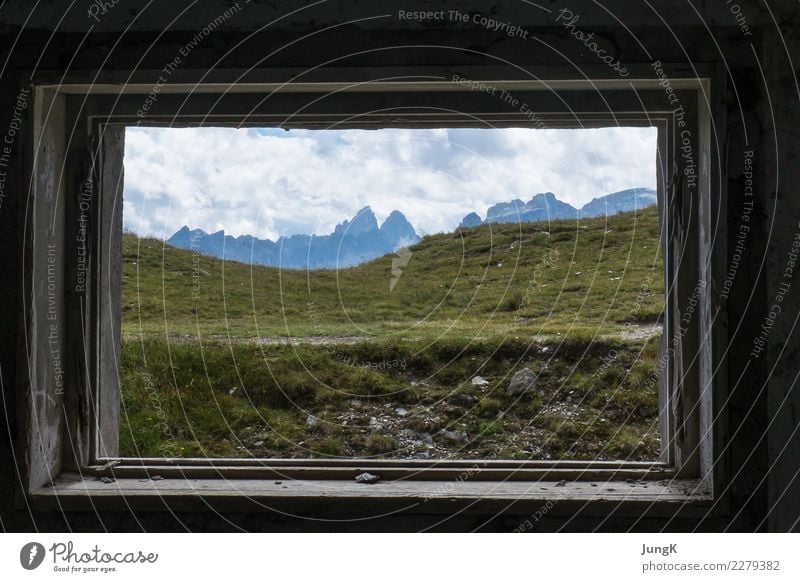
(352, 242)
(546, 206)
(541, 207)
(470, 220)
(624, 201)
(361, 239)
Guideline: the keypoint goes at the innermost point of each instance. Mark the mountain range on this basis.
(361, 239)
(352, 242)
(546, 206)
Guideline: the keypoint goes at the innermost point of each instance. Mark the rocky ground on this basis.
(479, 400)
(480, 422)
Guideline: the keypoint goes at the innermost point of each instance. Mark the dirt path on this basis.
(638, 332)
(631, 332)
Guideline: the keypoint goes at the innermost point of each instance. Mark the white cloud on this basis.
(271, 182)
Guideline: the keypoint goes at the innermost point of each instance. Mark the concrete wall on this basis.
(761, 101)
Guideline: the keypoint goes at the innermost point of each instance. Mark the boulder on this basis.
(462, 400)
(522, 382)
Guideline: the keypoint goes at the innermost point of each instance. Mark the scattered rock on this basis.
(456, 437)
(480, 381)
(356, 403)
(258, 444)
(418, 438)
(522, 382)
(312, 420)
(367, 478)
(425, 437)
(401, 411)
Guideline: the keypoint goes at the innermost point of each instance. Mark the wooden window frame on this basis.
(70, 431)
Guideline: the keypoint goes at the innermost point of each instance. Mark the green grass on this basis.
(580, 277)
(239, 400)
(373, 372)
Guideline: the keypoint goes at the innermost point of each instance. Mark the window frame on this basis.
(74, 138)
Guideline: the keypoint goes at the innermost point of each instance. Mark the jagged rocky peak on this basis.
(185, 236)
(544, 198)
(399, 230)
(470, 220)
(395, 218)
(543, 206)
(363, 221)
(553, 207)
(504, 209)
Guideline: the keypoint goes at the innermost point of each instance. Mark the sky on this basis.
(269, 182)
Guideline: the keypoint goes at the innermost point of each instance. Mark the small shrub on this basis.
(512, 301)
(379, 444)
(489, 407)
(488, 428)
(411, 395)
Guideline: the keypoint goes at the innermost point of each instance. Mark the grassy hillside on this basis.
(228, 359)
(593, 275)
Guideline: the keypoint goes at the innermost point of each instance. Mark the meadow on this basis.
(407, 356)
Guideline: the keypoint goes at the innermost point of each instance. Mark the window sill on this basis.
(668, 497)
